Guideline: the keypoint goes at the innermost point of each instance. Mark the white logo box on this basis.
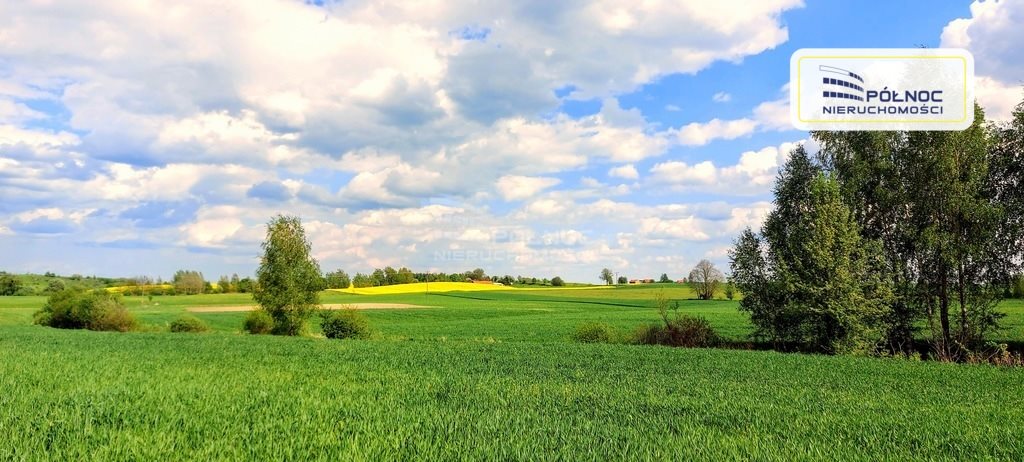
(882, 89)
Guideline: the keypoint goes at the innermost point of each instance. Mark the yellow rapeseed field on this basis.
(421, 287)
(121, 289)
(415, 288)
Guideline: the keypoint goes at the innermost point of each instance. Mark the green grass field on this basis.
(482, 375)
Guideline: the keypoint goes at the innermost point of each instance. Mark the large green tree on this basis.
(811, 281)
(1006, 187)
(946, 207)
(288, 277)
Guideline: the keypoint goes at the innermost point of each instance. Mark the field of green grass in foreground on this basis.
(482, 376)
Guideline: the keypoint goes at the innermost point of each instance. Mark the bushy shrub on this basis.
(54, 286)
(111, 315)
(345, 323)
(9, 285)
(648, 334)
(289, 324)
(29, 291)
(258, 322)
(188, 323)
(594, 332)
(678, 330)
(67, 309)
(693, 331)
(682, 331)
(78, 309)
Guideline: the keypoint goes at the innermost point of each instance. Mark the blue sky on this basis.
(526, 138)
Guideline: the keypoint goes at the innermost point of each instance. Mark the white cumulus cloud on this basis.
(993, 34)
(627, 172)
(517, 187)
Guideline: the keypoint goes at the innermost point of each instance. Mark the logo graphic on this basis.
(882, 89)
(845, 80)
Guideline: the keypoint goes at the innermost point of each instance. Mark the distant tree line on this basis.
(705, 279)
(192, 282)
(556, 281)
(339, 279)
(49, 283)
(187, 282)
(885, 238)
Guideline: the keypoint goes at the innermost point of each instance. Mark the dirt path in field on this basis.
(326, 306)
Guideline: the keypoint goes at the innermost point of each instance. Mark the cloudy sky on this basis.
(537, 138)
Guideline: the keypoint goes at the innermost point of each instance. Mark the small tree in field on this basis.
(729, 290)
(705, 279)
(607, 276)
(288, 278)
(664, 278)
(623, 280)
(189, 282)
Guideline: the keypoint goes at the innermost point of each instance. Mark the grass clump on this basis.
(347, 323)
(189, 323)
(80, 309)
(258, 322)
(594, 332)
